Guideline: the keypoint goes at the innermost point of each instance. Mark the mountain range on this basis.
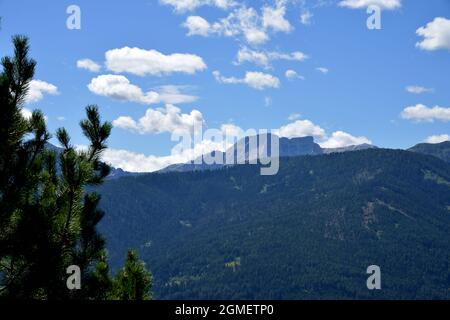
(288, 147)
(309, 232)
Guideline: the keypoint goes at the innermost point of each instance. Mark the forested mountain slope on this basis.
(439, 150)
(308, 232)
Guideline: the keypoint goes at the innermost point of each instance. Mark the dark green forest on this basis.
(308, 232)
(439, 150)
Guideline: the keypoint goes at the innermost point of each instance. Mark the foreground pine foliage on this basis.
(47, 219)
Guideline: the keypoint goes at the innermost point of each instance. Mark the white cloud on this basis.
(167, 119)
(138, 162)
(151, 62)
(255, 36)
(274, 18)
(436, 35)
(418, 89)
(197, 26)
(255, 80)
(264, 58)
(340, 139)
(247, 55)
(267, 101)
(301, 128)
(190, 5)
(128, 123)
(26, 113)
(421, 112)
(438, 138)
(323, 70)
(243, 22)
(362, 4)
(120, 88)
(37, 89)
(306, 17)
(291, 74)
(61, 118)
(88, 64)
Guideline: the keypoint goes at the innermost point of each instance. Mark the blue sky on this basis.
(174, 62)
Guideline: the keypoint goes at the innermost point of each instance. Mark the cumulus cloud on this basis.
(37, 89)
(301, 128)
(436, 35)
(362, 4)
(421, 112)
(89, 65)
(304, 128)
(247, 55)
(274, 18)
(190, 5)
(241, 22)
(264, 58)
(255, 80)
(244, 22)
(418, 89)
(198, 26)
(291, 74)
(322, 70)
(138, 162)
(151, 62)
(167, 119)
(341, 139)
(438, 138)
(135, 162)
(118, 87)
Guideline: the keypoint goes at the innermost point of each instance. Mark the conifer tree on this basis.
(133, 281)
(48, 219)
